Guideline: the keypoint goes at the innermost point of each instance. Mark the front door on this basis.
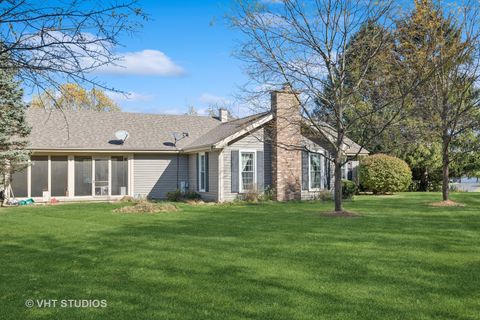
(100, 183)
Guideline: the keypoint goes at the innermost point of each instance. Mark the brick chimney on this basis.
(286, 144)
(223, 115)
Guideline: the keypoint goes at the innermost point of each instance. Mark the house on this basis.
(76, 156)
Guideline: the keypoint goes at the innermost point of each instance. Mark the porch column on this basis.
(71, 176)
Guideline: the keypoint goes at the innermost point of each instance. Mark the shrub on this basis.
(255, 194)
(382, 174)
(178, 195)
(252, 195)
(191, 195)
(324, 195)
(174, 195)
(349, 189)
(268, 194)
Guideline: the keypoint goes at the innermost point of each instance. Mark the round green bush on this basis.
(349, 189)
(381, 174)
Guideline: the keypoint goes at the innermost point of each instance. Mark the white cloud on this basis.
(210, 99)
(83, 51)
(129, 97)
(145, 62)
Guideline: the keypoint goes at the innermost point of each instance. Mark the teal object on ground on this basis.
(22, 202)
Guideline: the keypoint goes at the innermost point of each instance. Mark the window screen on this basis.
(59, 176)
(39, 175)
(19, 183)
(119, 176)
(83, 176)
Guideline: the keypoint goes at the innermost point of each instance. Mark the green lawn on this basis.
(401, 260)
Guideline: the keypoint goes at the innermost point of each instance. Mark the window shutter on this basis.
(197, 173)
(235, 167)
(206, 171)
(260, 171)
(304, 170)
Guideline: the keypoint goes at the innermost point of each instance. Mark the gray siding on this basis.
(155, 175)
(212, 194)
(254, 141)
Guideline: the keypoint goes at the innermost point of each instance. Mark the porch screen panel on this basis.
(59, 176)
(19, 183)
(119, 176)
(39, 175)
(83, 176)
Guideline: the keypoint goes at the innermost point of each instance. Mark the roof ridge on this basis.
(34, 109)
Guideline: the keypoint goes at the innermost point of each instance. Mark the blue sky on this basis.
(179, 58)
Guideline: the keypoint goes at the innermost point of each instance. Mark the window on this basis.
(350, 170)
(315, 171)
(202, 172)
(39, 178)
(119, 176)
(83, 176)
(59, 176)
(247, 170)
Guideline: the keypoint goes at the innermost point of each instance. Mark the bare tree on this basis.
(63, 41)
(307, 45)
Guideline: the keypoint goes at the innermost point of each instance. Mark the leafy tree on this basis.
(13, 125)
(73, 97)
(445, 45)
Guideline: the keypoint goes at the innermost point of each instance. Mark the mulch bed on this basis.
(340, 214)
(448, 203)
(148, 207)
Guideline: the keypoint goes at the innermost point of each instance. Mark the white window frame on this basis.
(322, 171)
(240, 182)
(199, 173)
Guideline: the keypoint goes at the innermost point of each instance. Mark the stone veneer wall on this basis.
(286, 145)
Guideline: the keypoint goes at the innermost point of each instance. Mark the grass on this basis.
(402, 259)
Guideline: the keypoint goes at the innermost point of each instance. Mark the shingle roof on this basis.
(93, 130)
(96, 130)
(225, 130)
(351, 147)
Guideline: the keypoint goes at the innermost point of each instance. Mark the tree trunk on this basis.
(6, 185)
(445, 169)
(338, 182)
(337, 193)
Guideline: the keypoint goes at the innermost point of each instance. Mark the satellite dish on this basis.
(121, 135)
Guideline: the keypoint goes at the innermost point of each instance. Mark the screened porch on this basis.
(73, 176)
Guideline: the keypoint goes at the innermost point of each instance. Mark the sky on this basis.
(181, 57)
